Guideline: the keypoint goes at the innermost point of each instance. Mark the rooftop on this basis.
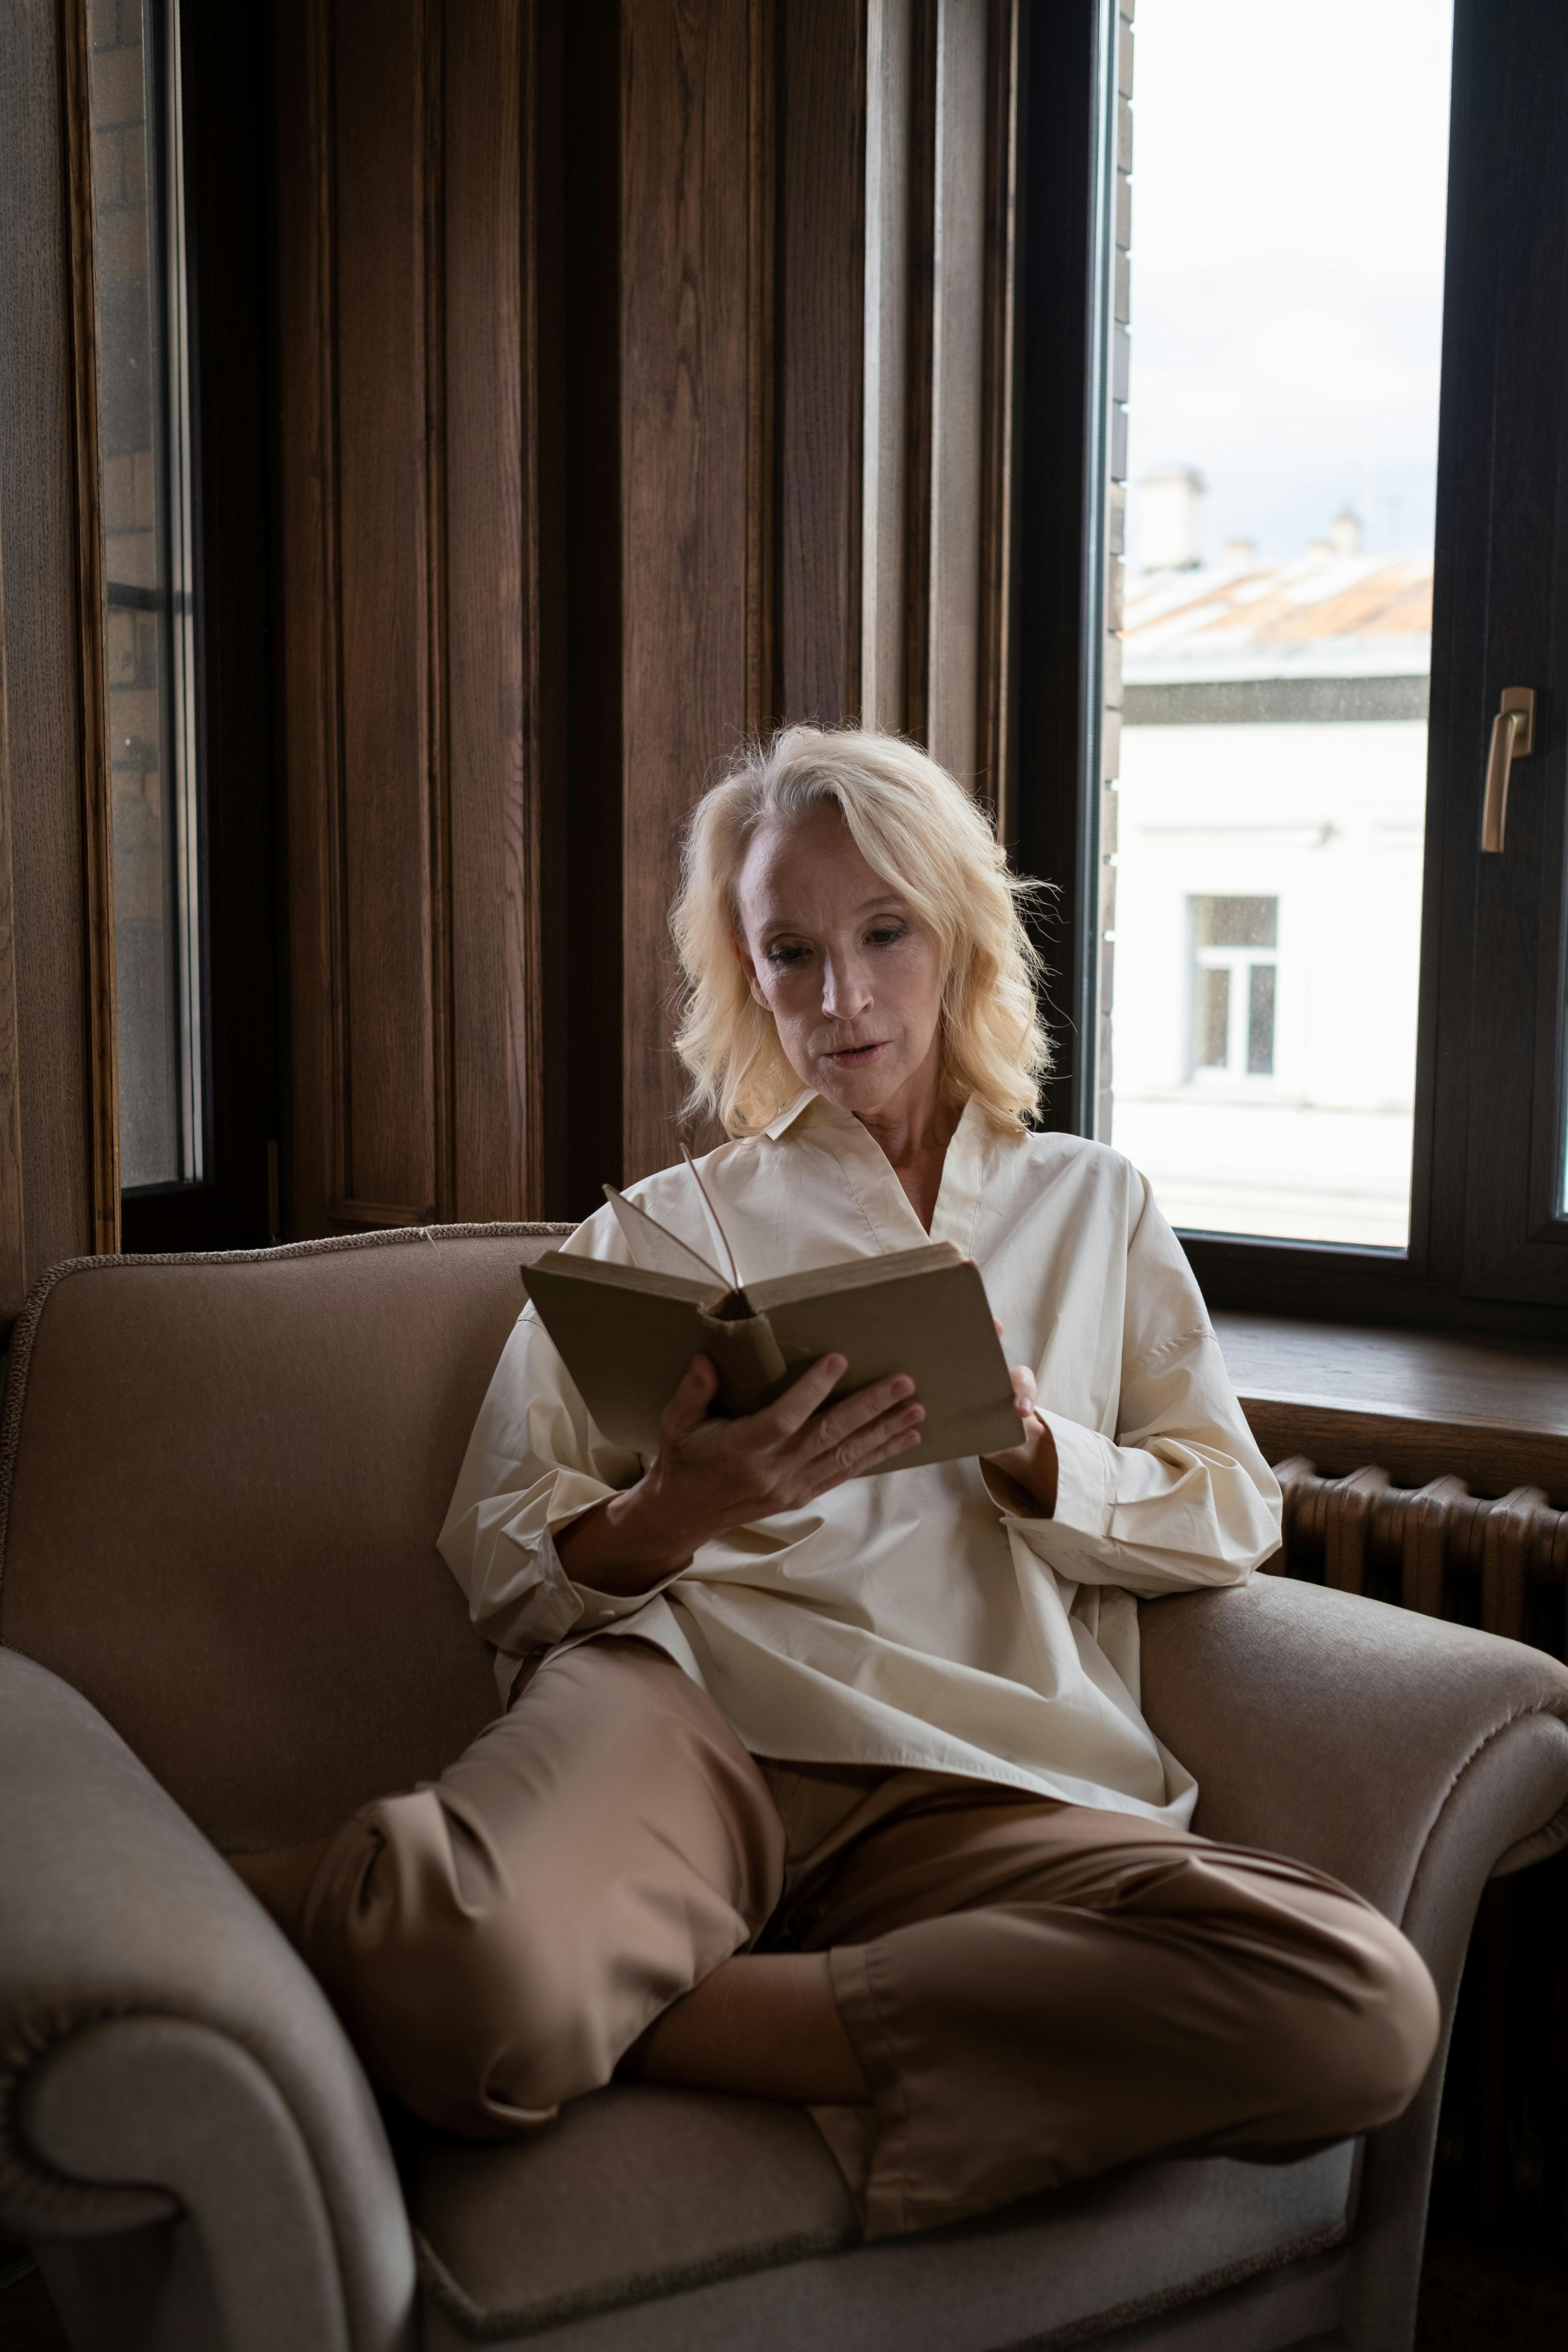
(1326, 614)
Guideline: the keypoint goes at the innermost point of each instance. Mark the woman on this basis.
(834, 1788)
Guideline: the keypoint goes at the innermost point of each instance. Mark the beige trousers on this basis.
(1035, 1990)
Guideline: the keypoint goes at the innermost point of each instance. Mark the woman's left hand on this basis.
(1032, 1463)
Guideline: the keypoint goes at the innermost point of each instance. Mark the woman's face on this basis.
(852, 978)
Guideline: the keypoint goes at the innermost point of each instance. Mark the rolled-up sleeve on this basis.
(1180, 1496)
(535, 1463)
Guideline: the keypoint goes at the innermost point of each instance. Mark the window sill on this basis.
(1420, 1404)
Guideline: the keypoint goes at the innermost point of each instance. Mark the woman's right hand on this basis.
(711, 1475)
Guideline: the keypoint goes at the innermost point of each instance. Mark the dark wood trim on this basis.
(920, 422)
(762, 236)
(1491, 1458)
(12, 1227)
(590, 967)
(820, 422)
(1060, 102)
(438, 762)
(995, 781)
(98, 839)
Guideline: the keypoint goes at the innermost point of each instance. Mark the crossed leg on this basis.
(1020, 1992)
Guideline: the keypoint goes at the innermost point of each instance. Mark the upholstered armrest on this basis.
(164, 2051)
(1412, 1759)
(1345, 1732)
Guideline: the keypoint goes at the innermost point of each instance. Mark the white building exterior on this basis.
(1269, 889)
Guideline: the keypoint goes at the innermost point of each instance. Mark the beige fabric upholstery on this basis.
(115, 1911)
(225, 1477)
(675, 2202)
(229, 1475)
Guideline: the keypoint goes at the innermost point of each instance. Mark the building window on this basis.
(145, 445)
(1234, 944)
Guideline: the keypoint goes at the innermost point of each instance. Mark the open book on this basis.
(627, 1334)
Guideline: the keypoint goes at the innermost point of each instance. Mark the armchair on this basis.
(223, 1625)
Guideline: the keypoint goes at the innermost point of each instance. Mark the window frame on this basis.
(221, 84)
(1489, 1246)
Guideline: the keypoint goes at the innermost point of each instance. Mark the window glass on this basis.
(1289, 192)
(144, 447)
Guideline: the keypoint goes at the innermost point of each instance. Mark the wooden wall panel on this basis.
(410, 554)
(957, 386)
(493, 722)
(308, 636)
(821, 487)
(387, 820)
(57, 1122)
(686, 384)
(753, 287)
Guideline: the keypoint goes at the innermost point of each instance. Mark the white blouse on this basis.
(909, 1618)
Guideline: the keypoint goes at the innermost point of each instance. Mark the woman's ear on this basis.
(743, 958)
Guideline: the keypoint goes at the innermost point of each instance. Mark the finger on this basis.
(689, 1406)
(1025, 1394)
(790, 1412)
(860, 1445)
(853, 1413)
(1001, 1326)
(852, 1459)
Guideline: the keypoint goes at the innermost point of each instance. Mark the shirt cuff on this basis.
(1085, 1488)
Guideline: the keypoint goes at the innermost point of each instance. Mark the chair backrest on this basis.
(221, 1482)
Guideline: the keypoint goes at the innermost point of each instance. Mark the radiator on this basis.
(1502, 1564)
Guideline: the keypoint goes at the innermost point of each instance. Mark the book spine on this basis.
(748, 1359)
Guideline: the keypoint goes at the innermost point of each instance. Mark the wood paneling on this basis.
(886, 364)
(12, 1230)
(386, 818)
(996, 780)
(821, 488)
(688, 408)
(56, 1122)
(482, 981)
(493, 723)
(958, 385)
(410, 552)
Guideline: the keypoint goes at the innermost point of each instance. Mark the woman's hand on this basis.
(1032, 1463)
(711, 1475)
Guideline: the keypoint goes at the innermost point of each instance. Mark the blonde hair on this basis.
(921, 834)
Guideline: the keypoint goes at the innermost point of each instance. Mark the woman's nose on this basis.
(845, 989)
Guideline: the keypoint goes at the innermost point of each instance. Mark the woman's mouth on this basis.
(857, 1057)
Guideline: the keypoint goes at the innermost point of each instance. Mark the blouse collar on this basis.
(872, 1179)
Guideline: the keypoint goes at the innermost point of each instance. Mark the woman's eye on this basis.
(784, 955)
(888, 935)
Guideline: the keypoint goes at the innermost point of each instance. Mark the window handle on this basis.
(1513, 737)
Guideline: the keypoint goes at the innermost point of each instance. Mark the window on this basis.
(1320, 533)
(145, 445)
(1232, 972)
(1282, 413)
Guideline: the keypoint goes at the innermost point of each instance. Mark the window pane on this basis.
(1287, 228)
(1260, 1022)
(1211, 1027)
(1238, 922)
(148, 620)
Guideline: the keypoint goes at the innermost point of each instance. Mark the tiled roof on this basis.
(1321, 615)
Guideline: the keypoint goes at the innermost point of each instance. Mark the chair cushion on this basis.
(674, 2202)
(222, 1483)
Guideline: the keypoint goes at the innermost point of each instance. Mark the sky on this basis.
(1288, 170)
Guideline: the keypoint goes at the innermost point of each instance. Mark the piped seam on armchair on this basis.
(60, 2206)
(1543, 1840)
